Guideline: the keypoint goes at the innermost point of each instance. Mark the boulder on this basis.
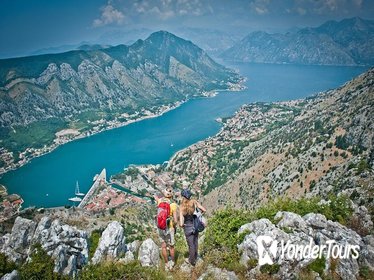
(312, 229)
(133, 246)
(129, 257)
(67, 245)
(11, 276)
(16, 245)
(291, 220)
(218, 274)
(111, 244)
(149, 254)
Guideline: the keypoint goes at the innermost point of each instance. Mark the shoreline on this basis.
(208, 94)
(54, 146)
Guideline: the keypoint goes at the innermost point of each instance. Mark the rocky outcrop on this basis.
(310, 230)
(347, 42)
(116, 78)
(16, 244)
(149, 254)
(218, 274)
(14, 275)
(66, 244)
(111, 244)
(133, 246)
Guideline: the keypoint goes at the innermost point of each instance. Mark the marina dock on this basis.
(98, 181)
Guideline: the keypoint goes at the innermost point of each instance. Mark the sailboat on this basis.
(77, 192)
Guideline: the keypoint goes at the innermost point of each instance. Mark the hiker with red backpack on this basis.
(167, 220)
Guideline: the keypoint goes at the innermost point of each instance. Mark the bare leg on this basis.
(164, 252)
(172, 253)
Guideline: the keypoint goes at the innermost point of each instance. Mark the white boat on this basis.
(77, 192)
(75, 199)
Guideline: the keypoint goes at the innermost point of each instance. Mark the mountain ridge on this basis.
(75, 89)
(348, 42)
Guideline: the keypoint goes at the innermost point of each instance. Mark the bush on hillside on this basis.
(113, 270)
(40, 266)
(6, 265)
(221, 237)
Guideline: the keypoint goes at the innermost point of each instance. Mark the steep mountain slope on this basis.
(159, 70)
(348, 42)
(50, 99)
(313, 146)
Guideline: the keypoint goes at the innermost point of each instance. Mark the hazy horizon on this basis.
(30, 26)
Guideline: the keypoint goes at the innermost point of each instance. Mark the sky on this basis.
(29, 25)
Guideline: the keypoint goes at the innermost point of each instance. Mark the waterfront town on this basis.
(10, 161)
(188, 167)
(10, 204)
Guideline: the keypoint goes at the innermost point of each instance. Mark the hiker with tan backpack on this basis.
(192, 222)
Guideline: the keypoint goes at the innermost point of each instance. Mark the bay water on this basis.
(50, 180)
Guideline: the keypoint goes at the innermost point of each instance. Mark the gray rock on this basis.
(149, 254)
(218, 274)
(11, 276)
(291, 220)
(111, 244)
(186, 268)
(367, 252)
(363, 217)
(313, 229)
(67, 245)
(133, 246)
(16, 245)
(315, 220)
(129, 257)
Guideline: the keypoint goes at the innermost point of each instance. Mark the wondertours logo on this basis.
(268, 249)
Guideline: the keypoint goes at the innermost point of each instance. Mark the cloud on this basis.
(326, 7)
(260, 7)
(168, 9)
(109, 15)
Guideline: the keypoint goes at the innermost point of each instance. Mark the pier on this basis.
(99, 180)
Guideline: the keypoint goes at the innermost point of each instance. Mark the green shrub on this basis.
(270, 269)
(329, 145)
(252, 263)
(40, 267)
(366, 273)
(318, 265)
(362, 166)
(6, 265)
(93, 242)
(338, 209)
(341, 142)
(226, 259)
(223, 228)
(112, 270)
(221, 239)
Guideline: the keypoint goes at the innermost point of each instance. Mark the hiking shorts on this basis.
(167, 236)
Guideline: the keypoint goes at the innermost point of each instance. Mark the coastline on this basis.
(55, 145)
(239, 86)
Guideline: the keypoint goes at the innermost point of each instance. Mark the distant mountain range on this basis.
(161, 69)
(348, 42)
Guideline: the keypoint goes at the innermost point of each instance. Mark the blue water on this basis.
(50, 180)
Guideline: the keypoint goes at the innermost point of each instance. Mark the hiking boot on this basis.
(169, 266)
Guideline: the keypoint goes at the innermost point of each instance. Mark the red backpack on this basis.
(163, 214)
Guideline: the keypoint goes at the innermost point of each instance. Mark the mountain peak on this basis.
(164, 37)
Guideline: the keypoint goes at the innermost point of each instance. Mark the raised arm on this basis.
(181, 218)
(200, 207)
(175, 216)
